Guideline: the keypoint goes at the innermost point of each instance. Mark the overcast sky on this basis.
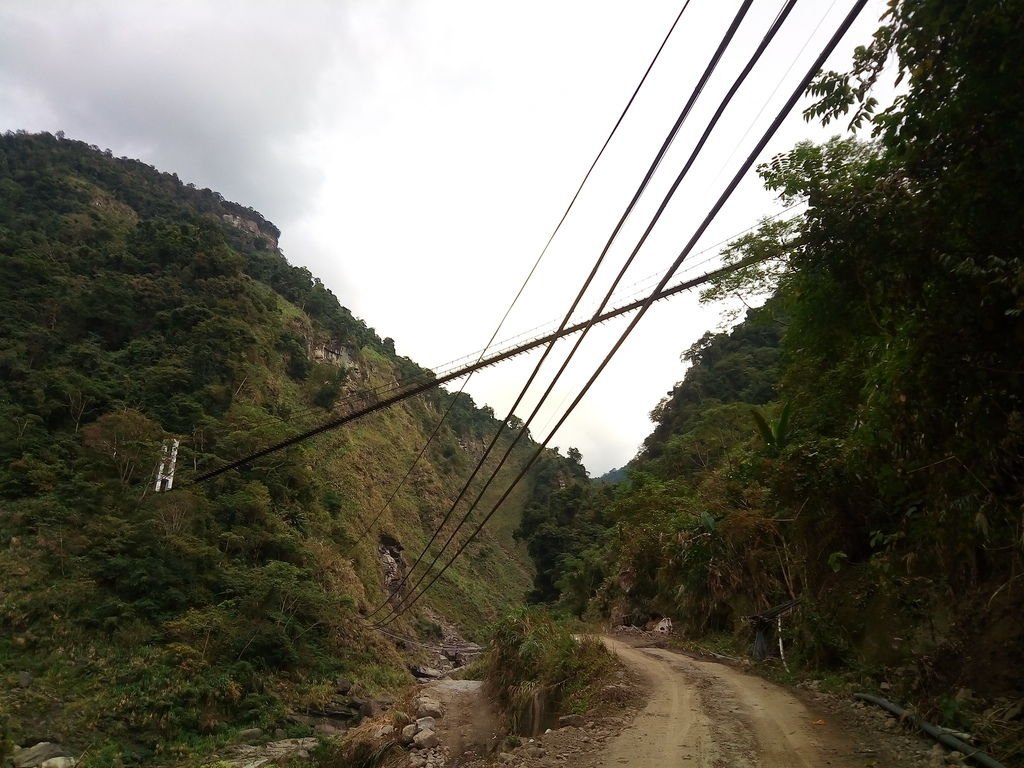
(417, 154)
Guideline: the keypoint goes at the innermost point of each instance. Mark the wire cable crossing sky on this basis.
(406, 603)
(533, 269)
(524, 428)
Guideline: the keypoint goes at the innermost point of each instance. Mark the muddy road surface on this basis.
(711, 715)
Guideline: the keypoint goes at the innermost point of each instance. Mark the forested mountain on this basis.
(134, 309)
(858, 443)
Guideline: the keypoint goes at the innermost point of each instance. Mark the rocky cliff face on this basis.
(250, 226)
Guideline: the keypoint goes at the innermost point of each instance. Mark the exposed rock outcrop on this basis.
(250, 226)
(389, 550)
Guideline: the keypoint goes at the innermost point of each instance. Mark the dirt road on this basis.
(711, 715)
(695, 714)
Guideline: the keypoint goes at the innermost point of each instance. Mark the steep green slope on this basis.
(133, 309)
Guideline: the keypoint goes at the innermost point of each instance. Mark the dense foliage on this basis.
(559, 521)
(859, 442)
(133, 309)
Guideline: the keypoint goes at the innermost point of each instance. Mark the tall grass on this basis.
(535, 668)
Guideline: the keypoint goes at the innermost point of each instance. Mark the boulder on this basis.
(428, 707)
(383, 730)
(250, 734)
(425, 740)
(427, 673)
(407, 733)
(59, 762)
(426, 724)
(33, 757)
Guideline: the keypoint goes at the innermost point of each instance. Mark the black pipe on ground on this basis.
(941, 736)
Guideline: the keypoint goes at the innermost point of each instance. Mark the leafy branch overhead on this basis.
(767, 249)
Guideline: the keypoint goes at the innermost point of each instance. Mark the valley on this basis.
(239, 529)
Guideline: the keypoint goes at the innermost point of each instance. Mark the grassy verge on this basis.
(536, 669)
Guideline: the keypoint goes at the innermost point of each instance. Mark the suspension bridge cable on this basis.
(684, 113)
(766, 40)
(425, 386)
(725, 195)
(565, 215)
(390, 387)
(533, 269)
(440, 371)
(641, 288)
(431, 374)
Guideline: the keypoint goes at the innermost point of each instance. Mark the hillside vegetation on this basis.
(858, 442)
(135, 308)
